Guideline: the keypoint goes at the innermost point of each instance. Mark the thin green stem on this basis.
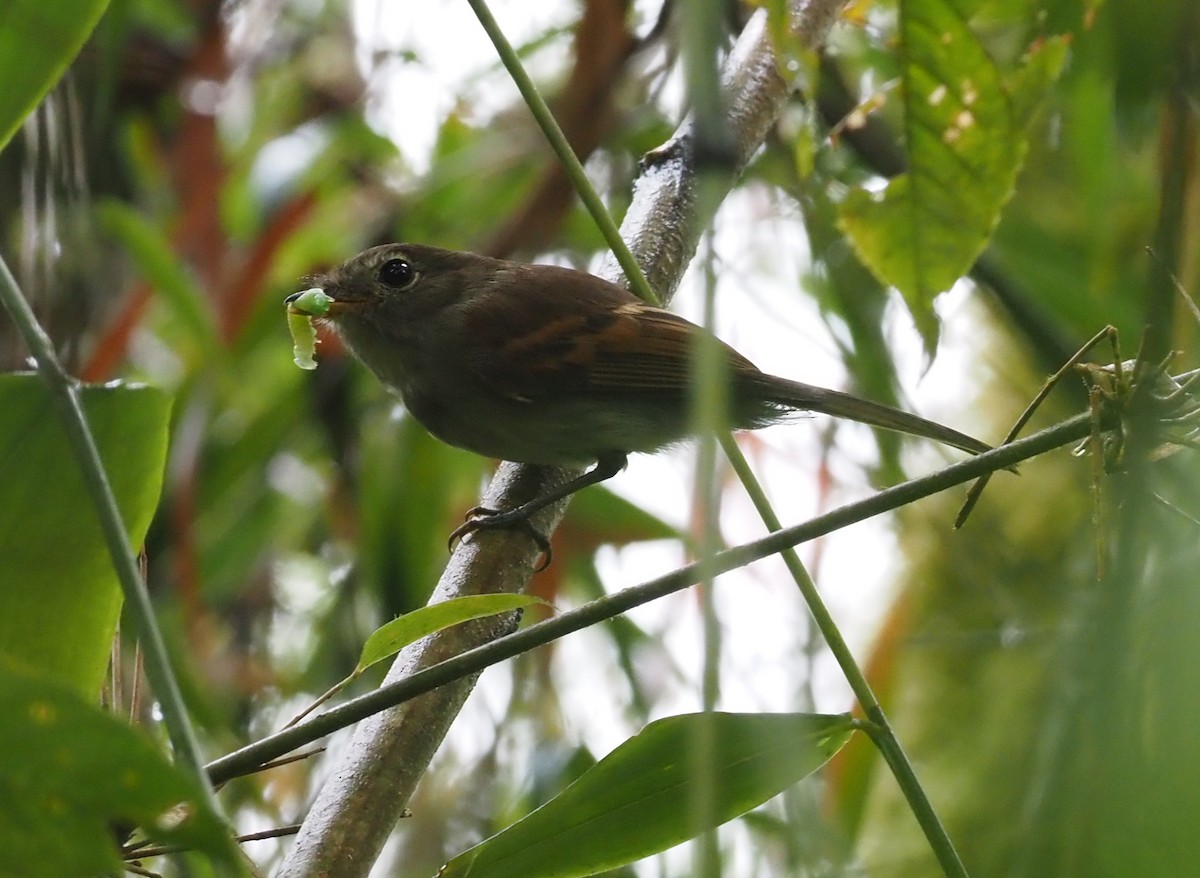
(252, 756)
(64, 391)
(883, 736)
(709, 405)
(703, 72)
(880, 731)
(570, 162)
(702, 32)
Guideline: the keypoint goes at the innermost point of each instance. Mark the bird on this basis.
(543, 364)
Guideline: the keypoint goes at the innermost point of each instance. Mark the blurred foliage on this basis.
(60, 30)
(67, 806)
(200, 159)
(1029, 689)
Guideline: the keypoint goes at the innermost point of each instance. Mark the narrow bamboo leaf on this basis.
(168, 275)
(87, 773)
(635, 801)
(389, 639)
(38, 40)
(392, 637)
(965, 127)
(59, 595)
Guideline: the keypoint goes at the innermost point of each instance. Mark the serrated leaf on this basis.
(965, 128)
(390, 638)
(59, 595)
(38, 40)
(635, 801)
(62, 799)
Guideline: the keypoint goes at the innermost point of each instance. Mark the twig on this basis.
(165, 849)
(471, 662)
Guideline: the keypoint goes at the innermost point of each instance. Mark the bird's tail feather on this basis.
(796, 395)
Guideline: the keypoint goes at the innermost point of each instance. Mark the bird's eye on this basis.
(397, 273)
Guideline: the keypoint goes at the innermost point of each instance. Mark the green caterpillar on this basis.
(301, 309)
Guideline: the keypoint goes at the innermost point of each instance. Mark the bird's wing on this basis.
(603, 341)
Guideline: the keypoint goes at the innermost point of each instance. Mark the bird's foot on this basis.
(486, 518)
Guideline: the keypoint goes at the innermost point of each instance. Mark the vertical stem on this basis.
(64, 391)
(1178, 139)
(702, 35)
(880, 730)
(701, 42)
(709, 407)
(566, 155)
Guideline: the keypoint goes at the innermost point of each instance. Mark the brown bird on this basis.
(548, 365)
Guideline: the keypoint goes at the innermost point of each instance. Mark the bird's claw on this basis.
(486, 518)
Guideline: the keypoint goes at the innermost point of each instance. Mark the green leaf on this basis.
(62, 801)
(390, 638)
(38, 40)
(59, 595)
(166, 272)
(1028, 86)
(610, 518)
(965, 127)
(634, 802)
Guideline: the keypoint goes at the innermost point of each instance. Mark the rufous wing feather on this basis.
(618, 345)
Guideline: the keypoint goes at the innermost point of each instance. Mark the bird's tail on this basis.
(796, 395)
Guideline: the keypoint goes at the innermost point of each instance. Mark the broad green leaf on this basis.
(390, 638)
(62, 800)
(59, 595)
(37, 42)
(965, 127)
(635, 801)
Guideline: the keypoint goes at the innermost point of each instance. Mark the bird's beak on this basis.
(313, 303)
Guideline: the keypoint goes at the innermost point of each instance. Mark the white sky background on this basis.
(761, 249)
